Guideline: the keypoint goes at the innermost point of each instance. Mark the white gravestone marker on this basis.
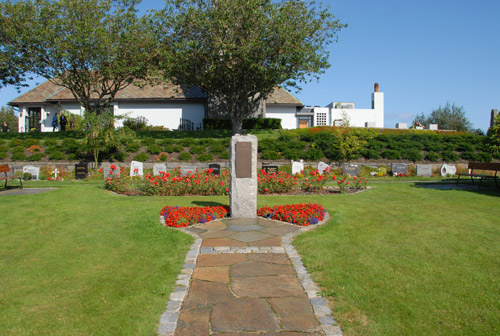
(159, 167)
(424, 170)
(136, 168)
(297, 167)
(448, 170)
(322, 167)
(34, 171)
(188, 170)
(56, 171)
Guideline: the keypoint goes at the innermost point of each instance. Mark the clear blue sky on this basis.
(422, 53)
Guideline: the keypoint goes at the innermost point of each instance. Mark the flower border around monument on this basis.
(298, 214)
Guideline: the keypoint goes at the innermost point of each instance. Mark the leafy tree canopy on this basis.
(449, 117)
(494, 137)
(7, 114)
(92, 47)
(239, 51)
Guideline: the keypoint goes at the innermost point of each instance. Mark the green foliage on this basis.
(246, 48)
(185, 156)
(186, 142)
(57, 155)
(141, 157)
(35, 157)
(270, 154)
(132, 146)
(313, 154)
(449, 117)
(18, 149)
(136, 124)
(94, 47)
(412, 155)
(432, 156)
(205, 157)
(449, 156)
(197, 149)
(224, 156)
(7, 114)
(154, 149)
(3, 155)
(148, 141)
(248, 124)
(18, 156)
(217, 149)
(391, 154)
(494, 137)
(176, 149)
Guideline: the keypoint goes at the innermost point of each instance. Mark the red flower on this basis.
(112, 167)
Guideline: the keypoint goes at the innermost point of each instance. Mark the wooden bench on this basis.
(5, 169)
(490, 166)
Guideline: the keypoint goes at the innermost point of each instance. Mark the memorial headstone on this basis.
(322, 167)
(448, 170)
(243, 168)
(111, 172)
(297, 167)
(136, 168)
(350, 169)
(81, 171)
(159, 167)
(188, 170)
(424, 170)
(269, 169)
(215, 168)
(34, 171)
(399, 169)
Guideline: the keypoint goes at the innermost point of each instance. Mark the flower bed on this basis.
(184, 216)
(299, 214)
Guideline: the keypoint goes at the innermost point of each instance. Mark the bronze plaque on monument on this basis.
(243, 159)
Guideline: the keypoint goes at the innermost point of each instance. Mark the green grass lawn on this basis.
(403, 260)
(393, 260)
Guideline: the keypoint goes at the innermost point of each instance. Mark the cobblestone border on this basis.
(168, 320)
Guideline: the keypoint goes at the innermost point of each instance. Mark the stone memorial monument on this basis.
(350, 169)
(424, 170)
(243, 170)
(297, 166)
(34, 171)
(188, 170)
(399, 168)
(448, 170)
(322, 167)
(159, 167)
(136, 168)
(81, 170)
(215, 168)
(269, 169)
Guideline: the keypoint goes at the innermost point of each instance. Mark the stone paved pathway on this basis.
(243, 277)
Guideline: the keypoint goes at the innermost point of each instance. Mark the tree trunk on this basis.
(237, 125)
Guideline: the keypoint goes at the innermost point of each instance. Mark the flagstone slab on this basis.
(241, 221)
(269, 222)
(195, 322)
(281, 230)
(243, 228)
(274, 258)
(214, 274)
(295, 313)
(267, 286)
(205, 294)
(214, 242)
(198, 231)
(243, 314)
(215, 225)
(205, 260)
(250, 236)
(273, 241)
(258, 268)
(216, 234)
(277, 333)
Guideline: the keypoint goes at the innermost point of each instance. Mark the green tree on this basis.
(239, 51)
(449, 117)
(7, 114)
(92, 47)
(494, 137)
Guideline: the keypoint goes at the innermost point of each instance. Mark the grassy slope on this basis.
(401, 260)
(80, 260)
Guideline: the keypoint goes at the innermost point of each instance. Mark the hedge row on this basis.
(248, 124)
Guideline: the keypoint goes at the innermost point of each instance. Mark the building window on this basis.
(321, 119)
(33, 119)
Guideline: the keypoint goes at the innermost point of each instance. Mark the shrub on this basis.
(31, 142)
(16, 142)
(162, 157)
(166, 142)
(185, 156)
(4, 149)
(17, 149)
(197, 149)
(372, 154)
(469, 156)
(432, 156)
(50, 142)
(148, 141)
(34, 149)
(224, 156)
(205, 157)
(35, 157)
(270, 155)
(449, 156)
(56, 155)
(412, 155)
(292, 154)
(484, 157)
(313, 154)
(70, 146)
(3, 155)
(186, 142)
(391, 154)
(217, 149)
(250, 123)
(154, 149)
(18, 157)
(177, 148)
(132, 147)
(119, 155)
(136, 124)
(141, 157)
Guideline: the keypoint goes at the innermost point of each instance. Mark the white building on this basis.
(334, 114)
(167, 105)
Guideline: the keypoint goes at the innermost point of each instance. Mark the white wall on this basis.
(162, 114)
(285, 113)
